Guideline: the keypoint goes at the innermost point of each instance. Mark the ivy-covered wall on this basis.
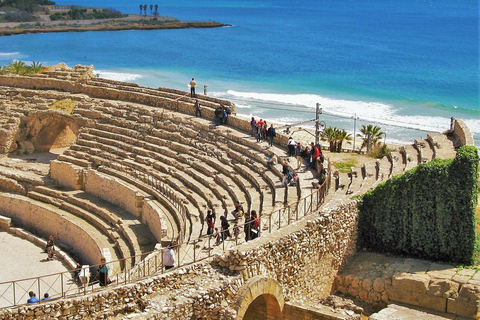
(428, 212)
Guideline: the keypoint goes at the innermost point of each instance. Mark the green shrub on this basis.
(428, 212)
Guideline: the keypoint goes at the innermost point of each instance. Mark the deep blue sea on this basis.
(405, 65)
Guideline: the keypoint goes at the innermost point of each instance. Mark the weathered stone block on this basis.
(462, 308)
(442, 288)
(411, 282)
(378, 285)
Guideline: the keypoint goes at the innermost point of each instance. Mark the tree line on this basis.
(144, 8)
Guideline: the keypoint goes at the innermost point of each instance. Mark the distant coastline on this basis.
(110, 25)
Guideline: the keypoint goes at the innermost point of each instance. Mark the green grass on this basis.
(345, 166)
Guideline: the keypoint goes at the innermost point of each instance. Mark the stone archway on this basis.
(43, 131)
(260, 298)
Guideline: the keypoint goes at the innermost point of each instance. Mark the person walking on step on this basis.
(198, 111)
(192, 88)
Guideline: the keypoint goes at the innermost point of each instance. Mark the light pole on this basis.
(355, 118)
(318, 112)
(385, 138)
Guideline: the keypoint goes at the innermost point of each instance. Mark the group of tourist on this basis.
(310, 156)
(221, 114)
(33, 297)
(261, 131)
(251, 225)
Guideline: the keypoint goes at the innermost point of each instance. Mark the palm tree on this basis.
(141, 7)
(329, 134)
(341, 135)
(156, 10)
(35, 67)
(145, 9)
(17, 67)
(151, 8)
(371, 135)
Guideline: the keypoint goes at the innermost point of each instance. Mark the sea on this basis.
(406, 66)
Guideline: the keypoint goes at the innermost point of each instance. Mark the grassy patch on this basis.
(66, 106)
(346, 165)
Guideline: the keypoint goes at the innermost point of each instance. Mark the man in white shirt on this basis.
(169, 257)
(192, 88)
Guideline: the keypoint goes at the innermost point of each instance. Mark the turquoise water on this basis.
(407, 66)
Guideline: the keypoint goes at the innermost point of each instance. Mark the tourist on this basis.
(260, 124)
(103, 272)
(298, 154)
(226, 113)
(253, 126)
(218, 115)
(218, 236)
(192, 88)
(264, 130)
(306, 155)
(169, 257)
(238, 212)
(247, 227)
(225, 225)
(50, 245)
(271, 160)
(315, 155)
(198, 111)
(236, 231)
(46, 297)
(76, 274)
(291, 146)
(287, 175)
(271, 135)
(33, 298)
(255, 229)
(210, 222)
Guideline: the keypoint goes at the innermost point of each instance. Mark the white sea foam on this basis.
(374, 112)
(7, 54)
(118, 76)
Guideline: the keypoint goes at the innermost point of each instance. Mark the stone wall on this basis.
(318, 245)
(67, 174)
(415, 282)
(303, 258)
(43, 221)
(114, 191)
(463, 133)
(152, 219)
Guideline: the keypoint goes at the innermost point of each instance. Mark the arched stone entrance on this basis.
(260, 298)
(41, 132)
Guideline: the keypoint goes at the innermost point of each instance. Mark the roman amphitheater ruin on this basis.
(118, 170)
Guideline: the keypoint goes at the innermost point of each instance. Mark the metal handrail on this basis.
(13, 293)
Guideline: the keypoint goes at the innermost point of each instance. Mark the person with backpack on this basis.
(210, 222)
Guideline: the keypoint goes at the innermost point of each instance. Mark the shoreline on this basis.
(109, 25)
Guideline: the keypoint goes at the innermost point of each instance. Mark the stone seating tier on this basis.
(398, 166)
(443, 147)
(425, 150)
(412, 157)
